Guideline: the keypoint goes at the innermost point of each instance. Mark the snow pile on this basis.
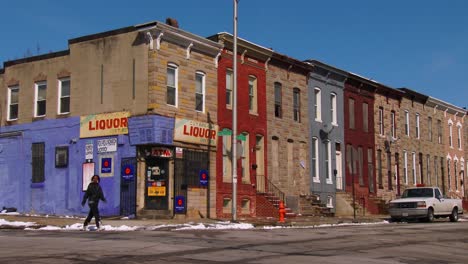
(326, 225)
(4, 212)
(16, 223)
(218, 225)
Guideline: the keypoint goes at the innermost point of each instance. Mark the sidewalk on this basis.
(299, 221)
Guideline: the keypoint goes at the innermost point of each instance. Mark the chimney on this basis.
(172, 22)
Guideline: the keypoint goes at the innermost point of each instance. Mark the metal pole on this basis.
(234, 121)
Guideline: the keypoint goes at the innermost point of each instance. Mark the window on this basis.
(407, 123)
(252, 94)
(436, 172)
(414, 169)
(296, 104)
(381, 121)
(450, 135)
(315, 161)
(278, 103)
(229, 87)
(260, 162)
(328, 162)
(64, 96)
(61, 157)
(40, 95)
(448, 175)
(318, 104)
(392, 115)
(455, 173)
(13, 99)
(333, 110)
(459, 137)
(227, 206)
(405, 166)
(38, 160)
(389, 170)
(428, 169)
(370, 168)
(365, 117)
(172, 77)
(200, 91)
(227, 165)
(417, 126)
(245, 159)
(360, 166)
(329, 201)
(379, 168)
(439, 131)
(351, 113)
(429, 128)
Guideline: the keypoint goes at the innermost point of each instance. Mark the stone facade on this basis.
(387, 104)
(287, 139)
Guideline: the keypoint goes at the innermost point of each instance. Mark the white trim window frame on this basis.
(229, 88)
(417, 126)
(333, 110)
(315, 160)
(200, 91)
(450, 135)
(40, 99)
(253, 104)
(459, 128)
(405, 168)
(407, 123)
(328, 162)
(318, 104)
(13, 103)
(64, 86)
(172, 90)
(297, 104)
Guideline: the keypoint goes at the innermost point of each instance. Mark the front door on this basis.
(339, 169)
(157, 183)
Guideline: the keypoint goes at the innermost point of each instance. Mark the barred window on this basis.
(38, 160)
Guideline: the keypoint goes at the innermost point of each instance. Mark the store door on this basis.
(128, 187)
(157, 183)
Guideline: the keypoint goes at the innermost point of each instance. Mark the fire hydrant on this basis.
(282, 212)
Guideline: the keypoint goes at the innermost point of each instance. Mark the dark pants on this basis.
(93, 211)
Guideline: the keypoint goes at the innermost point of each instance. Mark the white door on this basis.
(339, 170)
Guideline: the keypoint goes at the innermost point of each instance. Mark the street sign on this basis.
(241, 137)
(225, 132)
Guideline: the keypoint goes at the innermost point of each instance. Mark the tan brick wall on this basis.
(115, 54)
(388, 104)
(25, 75)
(423, 145)
(454, 153)
(296, 180)
(157, 66)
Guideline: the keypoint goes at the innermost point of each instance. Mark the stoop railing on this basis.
(265, 186)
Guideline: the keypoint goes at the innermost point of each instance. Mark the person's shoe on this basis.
(85, 227)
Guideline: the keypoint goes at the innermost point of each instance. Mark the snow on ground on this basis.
(326, 225)
(218, 225)
(4, 212)
(16, 223)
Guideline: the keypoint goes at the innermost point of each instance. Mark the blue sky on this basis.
(418, 44)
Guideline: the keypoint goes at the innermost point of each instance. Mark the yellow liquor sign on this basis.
(156, 191)
(104, 124)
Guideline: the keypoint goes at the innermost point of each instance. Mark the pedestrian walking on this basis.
(93, 194)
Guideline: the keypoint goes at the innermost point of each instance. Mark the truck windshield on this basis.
(420, 192)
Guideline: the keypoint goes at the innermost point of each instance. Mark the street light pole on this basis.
(234, 121)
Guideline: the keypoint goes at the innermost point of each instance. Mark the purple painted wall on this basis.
(61, 192)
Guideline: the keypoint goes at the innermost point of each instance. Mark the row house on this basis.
(360, 140)
(288, 130)
(326, 134)
(136, 105)
(452, 155)
(421, 135)
(251, 127)
(388, 148)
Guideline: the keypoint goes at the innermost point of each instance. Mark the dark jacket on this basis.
(93, 194)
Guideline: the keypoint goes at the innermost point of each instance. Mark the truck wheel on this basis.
(430, 215)
(454, 215)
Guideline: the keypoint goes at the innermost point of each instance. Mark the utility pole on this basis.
(234, 121)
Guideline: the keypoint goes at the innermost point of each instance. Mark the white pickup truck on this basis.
(424, 203)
